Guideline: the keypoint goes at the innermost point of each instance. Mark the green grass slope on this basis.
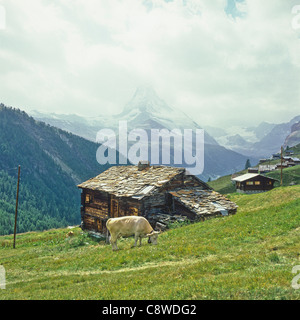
(291, 175)
(246, 256)
(223, 184)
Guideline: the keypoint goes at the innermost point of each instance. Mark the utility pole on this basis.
(281, 158)
(17, 200)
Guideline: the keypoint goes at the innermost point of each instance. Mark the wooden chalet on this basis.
(284, 165)
(292, 161)
(253, 183)
(146, 190)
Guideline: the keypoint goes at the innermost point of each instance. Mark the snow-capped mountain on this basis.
(76, 124)
(241, 139)
(147, 105)
(146, 110)
(272, 142)
(260, 141)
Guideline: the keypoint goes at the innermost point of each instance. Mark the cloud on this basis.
(222, 62)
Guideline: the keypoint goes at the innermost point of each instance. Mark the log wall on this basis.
(97, 207)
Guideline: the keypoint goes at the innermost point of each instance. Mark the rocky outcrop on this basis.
(294, 137)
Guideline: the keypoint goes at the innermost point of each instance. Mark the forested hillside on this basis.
(52, 163)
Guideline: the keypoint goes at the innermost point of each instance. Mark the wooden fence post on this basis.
(17, 200)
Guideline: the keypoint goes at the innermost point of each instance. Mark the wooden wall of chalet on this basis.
(157, 199)
(95, 210)
(256, 184)
(127, 207)
(98, 207)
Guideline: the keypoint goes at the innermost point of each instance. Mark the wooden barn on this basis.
(253, 183)
(146, 190)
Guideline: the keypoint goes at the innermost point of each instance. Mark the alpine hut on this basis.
(253, 183)
(148, 191)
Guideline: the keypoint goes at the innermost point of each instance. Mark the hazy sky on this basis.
(224, 62)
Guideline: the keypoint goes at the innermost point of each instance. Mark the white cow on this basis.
(128, 226)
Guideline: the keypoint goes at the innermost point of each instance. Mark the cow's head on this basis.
(153, 236)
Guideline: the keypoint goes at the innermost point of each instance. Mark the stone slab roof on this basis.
(129, 180)
(204, 202)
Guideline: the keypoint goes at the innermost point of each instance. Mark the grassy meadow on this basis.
(249, 255)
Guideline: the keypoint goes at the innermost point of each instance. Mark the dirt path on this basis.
(32, 276)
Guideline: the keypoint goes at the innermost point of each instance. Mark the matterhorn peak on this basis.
(145, 91)
(146, 100)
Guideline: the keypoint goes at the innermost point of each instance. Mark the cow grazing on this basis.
(128, 226)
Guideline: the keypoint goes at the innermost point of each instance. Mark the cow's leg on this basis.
(135, 239)
(140, 240)
(113, 241)
(115, 245)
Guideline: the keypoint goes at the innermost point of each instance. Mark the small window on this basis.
(257, 183)
(249, 183)
(87, 198)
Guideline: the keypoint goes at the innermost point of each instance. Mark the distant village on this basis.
(287, 161)
(254, 181)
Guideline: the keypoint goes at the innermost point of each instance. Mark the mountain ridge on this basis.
(52, 163)
(261, 141)
(146, 110)
(294, 137)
